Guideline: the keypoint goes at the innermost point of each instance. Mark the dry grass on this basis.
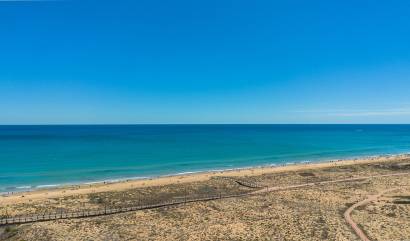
(314, 213)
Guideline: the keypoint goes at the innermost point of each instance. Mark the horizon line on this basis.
(158, 124)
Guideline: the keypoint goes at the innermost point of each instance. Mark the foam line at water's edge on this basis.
(26, 188)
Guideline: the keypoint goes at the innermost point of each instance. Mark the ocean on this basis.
(45, 156)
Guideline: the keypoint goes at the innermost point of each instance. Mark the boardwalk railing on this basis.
(107, 211)
(114, 210)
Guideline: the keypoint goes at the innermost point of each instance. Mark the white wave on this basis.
(47, 185)
(23, 187)
(186, 173)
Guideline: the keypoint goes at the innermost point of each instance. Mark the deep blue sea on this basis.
(42, 156)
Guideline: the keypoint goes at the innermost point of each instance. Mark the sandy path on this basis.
(35, 218)
(270, 189)
(349, 211)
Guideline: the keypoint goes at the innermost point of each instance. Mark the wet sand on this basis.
(43, 194)
(306, 213)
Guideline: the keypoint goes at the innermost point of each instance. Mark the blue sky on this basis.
(71, 62)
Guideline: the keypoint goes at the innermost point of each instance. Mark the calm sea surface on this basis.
(39, 156)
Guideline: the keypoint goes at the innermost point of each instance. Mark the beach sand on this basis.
(314, 213)
(42, 194)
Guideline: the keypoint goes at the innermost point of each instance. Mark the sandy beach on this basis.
(204, 120)
(287, 208)
(42, 194)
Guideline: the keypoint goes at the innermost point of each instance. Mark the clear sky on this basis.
(158, 61)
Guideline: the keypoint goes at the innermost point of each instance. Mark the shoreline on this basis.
(26, 188)
(51, 186)
(119, 185)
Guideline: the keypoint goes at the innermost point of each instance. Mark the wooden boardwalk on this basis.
(108, 211)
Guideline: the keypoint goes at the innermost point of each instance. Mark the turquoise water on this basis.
(39, 156)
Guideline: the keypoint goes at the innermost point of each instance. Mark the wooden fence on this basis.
(107, 211)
